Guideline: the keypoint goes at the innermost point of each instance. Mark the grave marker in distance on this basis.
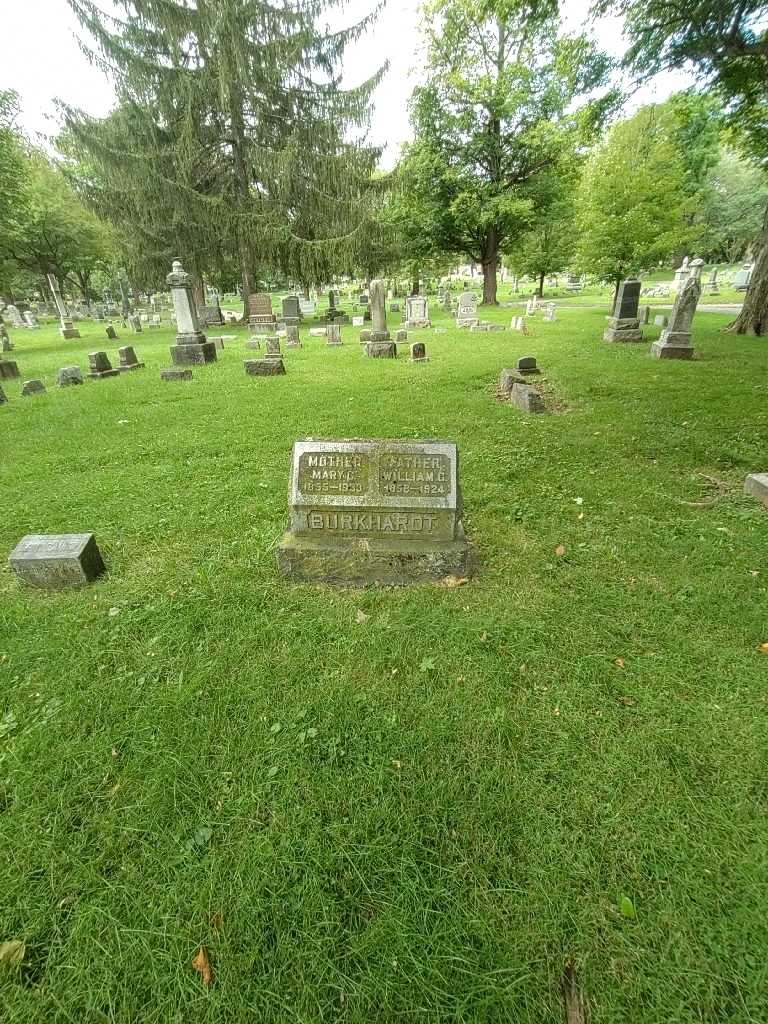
(57, 561)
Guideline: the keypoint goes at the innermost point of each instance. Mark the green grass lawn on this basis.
(426, 815)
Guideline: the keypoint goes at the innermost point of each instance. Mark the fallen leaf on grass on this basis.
(574, 1002)
(202, 964)
(763, 648)
(451, 582)
(560, 550)
(12, 953)
(626, 907)
(619, 663)
(361, 617)
(628, 702)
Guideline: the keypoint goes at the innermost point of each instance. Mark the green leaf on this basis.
(626, 907)
(276, 728)
(427, 665)
(273, 771)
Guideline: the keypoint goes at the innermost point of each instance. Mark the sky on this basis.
(41, 60)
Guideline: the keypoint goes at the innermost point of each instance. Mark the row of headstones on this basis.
(676, 339)
(99, 368)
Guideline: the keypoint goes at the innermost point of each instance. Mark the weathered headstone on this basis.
(417, 312)
(358, 321)
(647, 315)
(365, 337)
(532, 306)
(17, 320)
(176, 373)
(272, 348)
(32, 387)
(128, 359)
(378, 305)
(418, 352)
(681, 274)
(660, 320)
(270, 367)
(9, 370)
(31, 320)
(191, 346)
(333, 334)
(374, 512)
(111, 332)
(549, 313)
(712, 286)
(100, 366)
(291, 311)
(134, 322)
(527, 398)
(675, 341)
(527, 365)
(624, 325)
(507, 380)
(292, 339)
(260, 313)
(756, 485)
(518, 323)
(66, 326)
(210, 315)
(254, 342)
(466, 311)
(57, 561)
(381, 349)
(317, 332)
(307, 307)
(69, 376)
(743, 277)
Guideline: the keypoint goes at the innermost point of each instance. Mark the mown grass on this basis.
(423, 816)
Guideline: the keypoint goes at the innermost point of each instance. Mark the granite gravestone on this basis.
(57, 561)
(756, 485)
(260, 311)
(66, 325)
(743, 278)
(624, 325)
(675, 340)
(3, 398)
(292, 339)
(526, 398)
(333, 334)
(176, 373)
(378, 306)
(100, 366)
(128, 359)
(191, 346)
(272, 366)
(9, 370)
(291, 311)
(374, 512)
(32, 387)
(419, 352)
(466, 310)
(69, 376)
(417, 312)
(111, 333)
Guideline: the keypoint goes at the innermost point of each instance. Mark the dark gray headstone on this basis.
(527, 365)
(291, 308)
(9, 370)
(627, 300)
(176, 373)
(128, 359)
(111, 333)
(100, 366)
(419, 352)
(381, 350)
(57, 561)
(68, 376)
(32, 387)
(270, 367)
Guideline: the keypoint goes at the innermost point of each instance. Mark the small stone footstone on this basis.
(100, 366)
(176, 373)
(9, 370)
(58, 560)
(401, 337)
(292, 339)
(527, 398)
(527, 365)
(507, 380)
(3, 397)
(273, 349)
(756, 485)
(333, 334)
(272, 366)
(68, 376)
(478, 328)
(111, 333)
(253, 343)
(366, 512)
(624, 325)
(661, 321)
(317, 332)
(128, 359)
(32, 387)
(381, 350)
(419, 352)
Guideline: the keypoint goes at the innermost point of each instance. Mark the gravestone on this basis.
(756, 485)
(417, 312)
(134, 322)
(128, 359)
(660, 320)
(307, 307)
(57, 561)
(507, 380)
(365, 337)
(681, 274)
(466, 310)
(418, 352)
(378, 306)
(17, 320)
(260, 311)
(155, 320)
(381, 349)
(272, 348)
(3, 399)
(532, 306)
(66, 325)
(176, 373)
(527, 365)
(527, 398)
(517, 323)
(333, 334)
(292, 339)
(624, 325)
(317, 332)
(254, 342)
(675, 341)
(647, 315)
(366, 512)
(69, 376)
(401, 337)
(272, 366)
(712, 286)
(358, 321)
(9, 370)
(100, 366)
(31, 320)
(211, 316)
(549, 313)
(395, 307)
(111, 333)
(191, 346)
(291, 311)
(743, 278)
(32, 387)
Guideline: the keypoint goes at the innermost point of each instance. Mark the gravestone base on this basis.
(268, 322)
(174, 374)
(756, 485)
(474, 322)
(197, 352)
(379, 337)
(381, 350)
(417, 325)
(622, 330)
(8, 370)
(130, 366)
(673, 345)
(290, 321)
(98, 374)
(69, 333)
(359, 563)
(269, 367)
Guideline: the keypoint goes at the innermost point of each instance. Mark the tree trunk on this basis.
(305, 292)
(753, 318)
(490, 269)
(242, 188)
(541, 285)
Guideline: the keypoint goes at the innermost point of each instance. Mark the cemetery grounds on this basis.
(429, 804)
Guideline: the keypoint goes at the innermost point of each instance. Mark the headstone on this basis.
(68, 376)
(417, 312)
(9, 370)
(192, 346)
(155, 321)
(378, 304)
(366, 512)
(100, 366)
(57, 561)
(660, 320)
(176, 373)
(111, 333)
(527, 398)
(712, 286)
(66, 326)
(419, 352)
(291, 311)
(31, 320)
(681, 274)
(756, 485)
(17, 320)
(675, 341)
(358, 321)
(365, 337)
(532, 306)
(292, 339)
(466, 311)
(260, 311)
(3, 399)
(381, 349)
(549, 313)
(317, 332)
(218, 341)
(647, 315)
(307, 307)
(333, 334)
(32, 387)
(527, 365)
(272, 348)
(134, 322)
(624, 325)
(401, 337)
(269, 367)
(211, 315)
(394, 307)
(507, 379)
(743, 277)
(254, 342)
(128, 359)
